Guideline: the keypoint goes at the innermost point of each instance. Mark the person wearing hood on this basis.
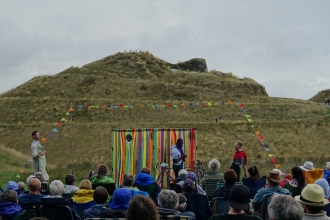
(146, 183)
(70, 184)
(118, 205)
(9, 208)
(55, 198)
(102, 176)
(83, 197)
(325, 186)
(11, 185)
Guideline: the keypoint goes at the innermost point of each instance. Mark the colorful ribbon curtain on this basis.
(149, 148)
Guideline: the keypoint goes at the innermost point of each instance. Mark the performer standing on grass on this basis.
(178, 157)
(239, 158)
(38, 153)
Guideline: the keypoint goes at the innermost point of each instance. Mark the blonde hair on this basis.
(240, 143)
(85, 184)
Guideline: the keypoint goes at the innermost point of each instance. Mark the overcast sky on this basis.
(283, 45)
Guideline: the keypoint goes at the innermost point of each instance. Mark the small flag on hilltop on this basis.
(126, 106)
(267, 149)
(30, 160)
(141, 106)
(115, 106)
(21, 171)
(270, 155)
(257, 132)
(131, 106)
(273, 160)
(241, 105)
(18, 176)
(55, 130)
(229, 103)
(70, 109)
(175, 106)
(182, 104)
(252, 126)
(216, 119)
(152, 106)
(249, 120)
(59, 124)
(67, 113)
(63, 119)
(196, 104)
(244, 110)
(26, 165)
(260, 137)
(96, 106)
(170, 105)
(43, 139)
(209, 104)
(223, 102)
(277, 166)
(121, 105)
(247, 116)
(80, 106)
(190, 104)
(102, 106)
(215, 104)
(50, 135)
(201, 105)
(163, 106)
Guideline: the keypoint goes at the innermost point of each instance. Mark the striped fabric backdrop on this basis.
(148, 148)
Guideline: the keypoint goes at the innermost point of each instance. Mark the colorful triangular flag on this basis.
(267, 149)
(30, 160)
(260, 137)
(21, 171)
(175, 106)
(252, 126)
(273, 160)
(26, 165)
(241, 105)
(209, 104)
(43, 139)
(55, 130)
(244, 110)
(249, 120)
(247, 116)
(257, 132)
(153, 106)
(67, 113)
(50, 135)
(277, 166)
(70, 109)
(270, 155)
(18, 176)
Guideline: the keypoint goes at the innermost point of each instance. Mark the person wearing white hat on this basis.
(308, 165)
(312, 200)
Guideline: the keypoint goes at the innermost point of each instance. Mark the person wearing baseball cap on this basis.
(239, 202)
(312, 200)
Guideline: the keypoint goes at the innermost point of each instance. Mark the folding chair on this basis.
(56, 212)
(210, 186)
(220, 205)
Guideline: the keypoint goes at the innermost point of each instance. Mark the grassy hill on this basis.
(292, 129)
(321, 96)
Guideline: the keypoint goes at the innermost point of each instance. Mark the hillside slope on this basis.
(321, 96)
(290, 127)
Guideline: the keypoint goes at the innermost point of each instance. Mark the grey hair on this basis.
(21, 185)
(284, 207)
(168, 199)
(214, 164)
(40, 176)
(183, 171)
(56, 188)
(28, 180)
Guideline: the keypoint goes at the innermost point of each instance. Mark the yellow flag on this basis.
(270, 155)
(209, 104)
(43, 139)
(249, 120)
(63, 119)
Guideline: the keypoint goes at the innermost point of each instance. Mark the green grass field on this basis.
(295, 130)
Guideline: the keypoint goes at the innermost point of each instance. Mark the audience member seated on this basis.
(239, 199)
(308, 165)
(196, 203)
(11, 185)
(284, 207)
(9, 208)
(40, 176)
(146, 183)
(128, 182)
(168, 203)
(21, 187)
(327, 172)
(44, 187)
(182, 176)
(118, 205)
(142, 208)
(193, 177)
(274, 180)
(287, 178)
(214, 165)
(254, 174)
(101, 176)
(83, 197)
(55, 198)
(100, 196)
(26, 201)
(296, 185)
(183, 205)
(230, 178)
(177, 188)
(325, 186)
(70, 184)
(312, 200)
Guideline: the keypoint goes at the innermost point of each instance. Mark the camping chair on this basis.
(67, 195)
(174, 217)
(81, 207)
(254, 186)
(56, 212)
(312, 175)
(210, 186)
(110, 187)
(221, 205)
(199, 205)
(265, 202)
(31, 207)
